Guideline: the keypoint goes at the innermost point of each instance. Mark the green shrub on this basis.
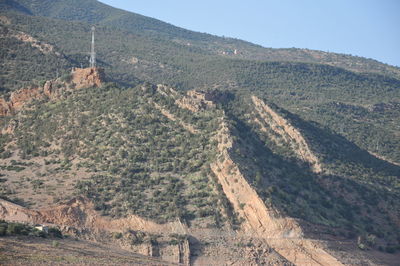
(55, 232)
(390, 249)
(66, 77)
(3, 229)
(14, 228)
(117, 235)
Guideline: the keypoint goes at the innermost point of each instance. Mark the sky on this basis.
(368, 28)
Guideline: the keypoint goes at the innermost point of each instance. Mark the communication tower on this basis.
(92, 52)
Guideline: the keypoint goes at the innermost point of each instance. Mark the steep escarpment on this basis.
(272, 188)
(281, 233)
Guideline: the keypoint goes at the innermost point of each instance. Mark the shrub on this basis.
(390, 249)
(66, 78)
(117, 235)
(14, 228)
(55, 232)
(3, 229)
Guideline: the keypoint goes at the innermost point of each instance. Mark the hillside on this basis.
(204, 160)
(179, 151)
(362, 107)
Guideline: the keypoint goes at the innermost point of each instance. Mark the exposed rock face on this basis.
(87, 77)
(170, 116)
(245, 199)
(80, 214)
(16, 213)
(197, 100)
(43, 47)
(80, 78)
(18, 99)
(287, 132)
(283, 234)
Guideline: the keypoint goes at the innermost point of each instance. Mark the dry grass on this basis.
(39, 251)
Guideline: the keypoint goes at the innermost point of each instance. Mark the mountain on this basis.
(194, 162)
(269, 156)
(95, 12)
(313, 91)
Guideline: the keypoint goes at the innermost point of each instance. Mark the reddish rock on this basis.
(5, 108)
(87, 77)
(80, 78)
(20, 97)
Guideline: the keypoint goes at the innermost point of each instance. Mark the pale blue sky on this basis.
(368, 28)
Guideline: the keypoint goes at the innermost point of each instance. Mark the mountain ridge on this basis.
(140, 24)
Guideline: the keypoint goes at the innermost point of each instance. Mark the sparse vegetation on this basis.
(12, 229)
(141, 154)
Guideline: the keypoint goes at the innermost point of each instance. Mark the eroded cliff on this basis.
(282, 233)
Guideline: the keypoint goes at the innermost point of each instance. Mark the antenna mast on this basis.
(92, 52)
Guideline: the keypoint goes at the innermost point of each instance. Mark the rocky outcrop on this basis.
(281, 233)
(19, 98)
(80, 78)
(286, 132)
(171, 117)
(179, 253)
(43, 47)
(195, 101)
(87, 77)
(198, 100)
(80, 214)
